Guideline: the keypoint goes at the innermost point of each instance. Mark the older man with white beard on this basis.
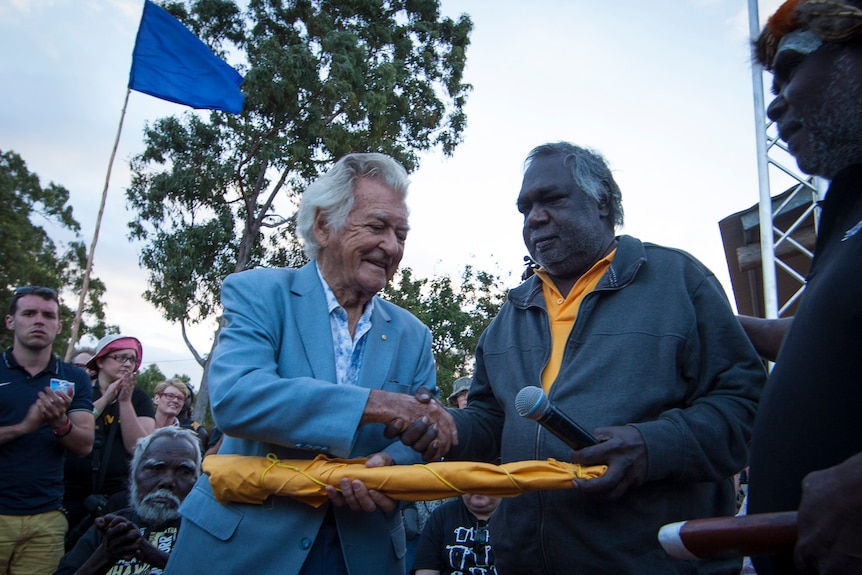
(138, 540)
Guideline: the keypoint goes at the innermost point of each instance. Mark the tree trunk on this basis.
(202, 400)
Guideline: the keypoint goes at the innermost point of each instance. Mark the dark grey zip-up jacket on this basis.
(655, 345)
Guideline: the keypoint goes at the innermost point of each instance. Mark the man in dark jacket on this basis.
(637, 343)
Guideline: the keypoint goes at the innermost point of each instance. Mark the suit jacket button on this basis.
(305, 543)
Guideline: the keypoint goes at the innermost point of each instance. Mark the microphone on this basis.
(532, 403)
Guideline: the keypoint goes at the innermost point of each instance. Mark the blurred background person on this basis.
(458, 397)
(168, 398)
(186, 417)
(456, 538)
(123, 415)
(416, 513)
(81, 357)
(172, 399)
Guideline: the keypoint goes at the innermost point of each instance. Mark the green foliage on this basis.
(148, 378)
(456, 315)
(32, 257)
(322, 78)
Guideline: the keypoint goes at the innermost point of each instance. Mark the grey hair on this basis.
(171, 431)
(333, 192)
(590, 172)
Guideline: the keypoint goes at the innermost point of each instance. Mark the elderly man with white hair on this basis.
(139, 539)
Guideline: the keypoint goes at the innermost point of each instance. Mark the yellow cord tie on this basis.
(274, 461)
(443, 481)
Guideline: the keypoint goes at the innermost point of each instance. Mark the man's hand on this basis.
(122, 537)
(357, 496)
(32, 420)
(53, 406)
(421, 434)
(123, 540)
(830, 513)
(421, 421)
(623, 450)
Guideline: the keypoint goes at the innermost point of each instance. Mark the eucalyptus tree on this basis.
(28, 212)
(216, 193)
(456, 313)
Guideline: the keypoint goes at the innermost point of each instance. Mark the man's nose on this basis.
(167, 479)
(536, 216)
(390, 243)
(776, 108)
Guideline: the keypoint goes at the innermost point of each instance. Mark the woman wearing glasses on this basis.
(169, 398)
(123, 414)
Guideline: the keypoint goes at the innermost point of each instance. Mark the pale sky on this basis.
(662, 89)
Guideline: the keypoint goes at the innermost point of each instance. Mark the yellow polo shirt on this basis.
(562, 312)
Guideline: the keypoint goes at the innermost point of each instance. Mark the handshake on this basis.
(420, 421)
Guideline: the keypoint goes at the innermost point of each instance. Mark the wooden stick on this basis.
(756, 534)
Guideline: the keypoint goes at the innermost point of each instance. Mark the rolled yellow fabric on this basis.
(247, 479)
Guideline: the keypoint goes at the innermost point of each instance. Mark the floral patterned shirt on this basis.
(348, 350)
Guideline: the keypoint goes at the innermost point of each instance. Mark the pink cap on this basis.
(114, 342)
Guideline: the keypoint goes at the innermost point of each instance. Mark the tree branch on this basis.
(200, 360)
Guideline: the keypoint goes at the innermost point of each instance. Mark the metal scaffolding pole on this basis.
(767, 247)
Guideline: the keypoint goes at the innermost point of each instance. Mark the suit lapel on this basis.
(380, 347)
(316, 335)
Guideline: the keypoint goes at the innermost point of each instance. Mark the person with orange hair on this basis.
(807, 442)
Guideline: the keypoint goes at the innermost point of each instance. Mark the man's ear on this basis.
(321, 229)
(605, 201)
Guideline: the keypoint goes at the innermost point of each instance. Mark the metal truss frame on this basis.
(774, 167)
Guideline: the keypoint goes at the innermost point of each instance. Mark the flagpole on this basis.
(85, 286)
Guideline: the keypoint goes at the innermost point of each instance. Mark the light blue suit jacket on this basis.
(272, 390)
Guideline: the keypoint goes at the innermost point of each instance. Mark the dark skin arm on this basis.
(436, 427)
(122, 541)
(423, 434)
(623, 450)
(766, 335)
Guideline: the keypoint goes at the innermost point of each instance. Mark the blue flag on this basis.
(171, 63)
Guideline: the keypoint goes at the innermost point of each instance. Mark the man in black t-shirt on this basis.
(456, 539)
(807, 442)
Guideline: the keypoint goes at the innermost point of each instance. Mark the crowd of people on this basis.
(636, 342)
